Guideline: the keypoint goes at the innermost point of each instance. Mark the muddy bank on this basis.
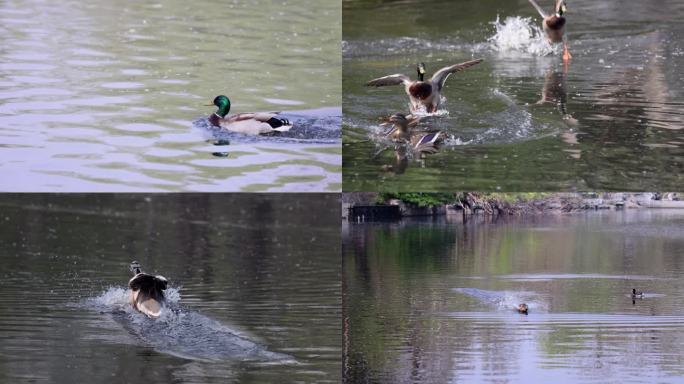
(357, 206)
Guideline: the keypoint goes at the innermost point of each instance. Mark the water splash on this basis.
(180, 332)
(503, 300)
(519, 34)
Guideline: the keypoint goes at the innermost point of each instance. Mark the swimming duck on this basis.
(420, 142)
(554, 25)
(146, 291)
(424, 94)
(257, 123)
(522, 308)
(637, 294)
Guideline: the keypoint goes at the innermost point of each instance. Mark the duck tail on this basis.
(280, 125)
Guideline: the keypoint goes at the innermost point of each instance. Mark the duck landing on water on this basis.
(522, 308)
(147, 294)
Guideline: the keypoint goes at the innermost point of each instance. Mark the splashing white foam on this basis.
(519, 34)
(117, 298)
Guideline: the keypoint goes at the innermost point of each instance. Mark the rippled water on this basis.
(254, 288)
(100, 96)
(612, 119)
(434, 301)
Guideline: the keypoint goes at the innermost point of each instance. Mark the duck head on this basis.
(522, 308)
(561, 8)
(223, 104)
(421, 71)
(399, 120)
(135, 268)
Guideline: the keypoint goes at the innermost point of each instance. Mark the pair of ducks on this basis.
(424, 95)
(524, 309)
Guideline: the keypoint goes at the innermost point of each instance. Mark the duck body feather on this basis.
(258, 123)
(147, 294)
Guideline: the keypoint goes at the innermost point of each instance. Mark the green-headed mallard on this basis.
(256, 123)
(424, 94)
(420, 142)
(554, 25)
(147, 294)
(523, 308)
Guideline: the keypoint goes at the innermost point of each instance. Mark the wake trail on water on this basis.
(181, 332)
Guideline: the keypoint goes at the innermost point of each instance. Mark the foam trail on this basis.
(502, 300)
(180, 332)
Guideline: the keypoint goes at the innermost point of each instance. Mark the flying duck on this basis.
(424, 94)
(554, 25)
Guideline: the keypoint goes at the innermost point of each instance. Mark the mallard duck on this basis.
(554, 25)
(523, 308)
(256, 123)
(146, 291)
(420, 142)
(423, 94)
(637, 294)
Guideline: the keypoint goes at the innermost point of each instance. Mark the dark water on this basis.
(101, 96)
(434, 301)
(611, 120)
(254, 288)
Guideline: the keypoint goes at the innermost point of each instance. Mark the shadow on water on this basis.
(181, 332)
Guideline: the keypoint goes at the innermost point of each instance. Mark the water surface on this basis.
(611, 120)
(433, 301)
(101, 96)
(254, 288)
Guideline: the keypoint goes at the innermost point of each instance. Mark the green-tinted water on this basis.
(619, 125)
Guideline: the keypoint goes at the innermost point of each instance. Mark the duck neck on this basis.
(420, 76)
(223, 110)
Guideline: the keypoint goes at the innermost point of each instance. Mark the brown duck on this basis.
(420, 142)
(147, 294)
(554, 25)
(523, 308)
(424, 94)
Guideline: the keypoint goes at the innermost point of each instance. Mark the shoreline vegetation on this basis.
(360, 207)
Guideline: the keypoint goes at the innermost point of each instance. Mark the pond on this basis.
(612, 119)
(434, 301)
(253, 295)
(102, 96)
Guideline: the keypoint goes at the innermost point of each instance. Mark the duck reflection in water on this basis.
(408, 142)
(554, 92)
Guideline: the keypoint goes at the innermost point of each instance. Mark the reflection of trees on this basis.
(398, 297)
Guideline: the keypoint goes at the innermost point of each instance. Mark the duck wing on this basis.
(440, 76)
(144, 281)
(396, 79)
(539, 9)
(259, 116)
